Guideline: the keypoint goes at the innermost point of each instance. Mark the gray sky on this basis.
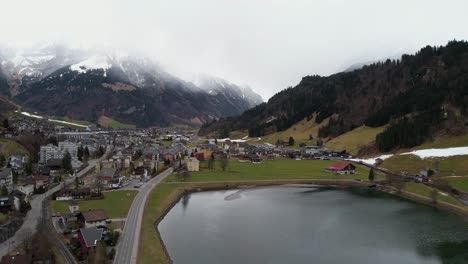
(267, 44)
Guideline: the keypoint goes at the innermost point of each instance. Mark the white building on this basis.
(6, 177)
(51, 151)
(192, 164)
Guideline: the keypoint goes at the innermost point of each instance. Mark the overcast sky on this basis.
(267, 44)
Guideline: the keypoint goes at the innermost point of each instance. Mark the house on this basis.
(192, 164)
(199, 156)
(18, 161)
(227, 145)
(6, 177)
(17, 259)
(73, 206)
(18, 198)
(106, 176)
(71, 220)
(38, 181)
(94, 218)
(310, 151)
(27, 189)
(341, 168)
(89, 237)
(7, 204)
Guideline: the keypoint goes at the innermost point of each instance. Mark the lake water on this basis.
(310, 225)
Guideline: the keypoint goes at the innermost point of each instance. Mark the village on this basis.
(95, 174)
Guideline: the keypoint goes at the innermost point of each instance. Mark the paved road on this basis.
(127, 248)
(33, 217)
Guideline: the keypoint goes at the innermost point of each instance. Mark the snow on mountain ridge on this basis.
(92, 63)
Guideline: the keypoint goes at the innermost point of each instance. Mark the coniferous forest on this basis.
(417, 96)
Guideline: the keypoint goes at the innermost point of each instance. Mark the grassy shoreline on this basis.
(166, 195)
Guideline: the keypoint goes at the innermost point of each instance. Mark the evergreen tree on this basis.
(371, 175)
(80, 153)
(2, 160)
(86, 152)
(4, 190)
(223, 162)
(5, 123)
(66, 163)
(291, 141)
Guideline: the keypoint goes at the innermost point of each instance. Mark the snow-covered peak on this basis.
(92, 63)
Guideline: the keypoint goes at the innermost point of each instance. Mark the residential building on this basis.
(7, 204)
(106, 176)
(6, 177)
(89, 237)
(73, 206)
(51, 151)
(341, 168)
(94, 218)
(18, 197)
(192, 164)
(38, 181)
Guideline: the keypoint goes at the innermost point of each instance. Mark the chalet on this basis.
(94, 218)
(107, 176)
(341, 168)
(89, 238)
(38, 181)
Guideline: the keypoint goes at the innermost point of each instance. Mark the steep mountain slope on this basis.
(130, 89)
(418, 95)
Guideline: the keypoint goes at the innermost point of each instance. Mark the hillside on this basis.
(133, 90)
(417, 97)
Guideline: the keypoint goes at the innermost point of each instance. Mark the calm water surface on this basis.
(308, 225)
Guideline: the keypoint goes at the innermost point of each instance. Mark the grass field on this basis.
(442, 142)
(460, 183)
(150, 248)
(116, 204)
(425, 191)
(299, 131)
(353, 140)
(412, 164)
(108, 122)
(278, 169)
(9, 147)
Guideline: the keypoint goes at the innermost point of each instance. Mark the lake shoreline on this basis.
(193, 187)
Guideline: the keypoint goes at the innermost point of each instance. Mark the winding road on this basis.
(127, 248)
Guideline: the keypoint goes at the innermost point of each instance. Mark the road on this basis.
(127, 248)
(34, 216)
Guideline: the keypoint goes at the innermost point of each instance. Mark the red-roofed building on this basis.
(341, 168)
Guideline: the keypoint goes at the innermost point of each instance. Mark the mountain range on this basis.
(415, 97)
(131, 89)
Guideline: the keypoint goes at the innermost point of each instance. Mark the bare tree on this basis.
(224, 161)
(434, 195)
